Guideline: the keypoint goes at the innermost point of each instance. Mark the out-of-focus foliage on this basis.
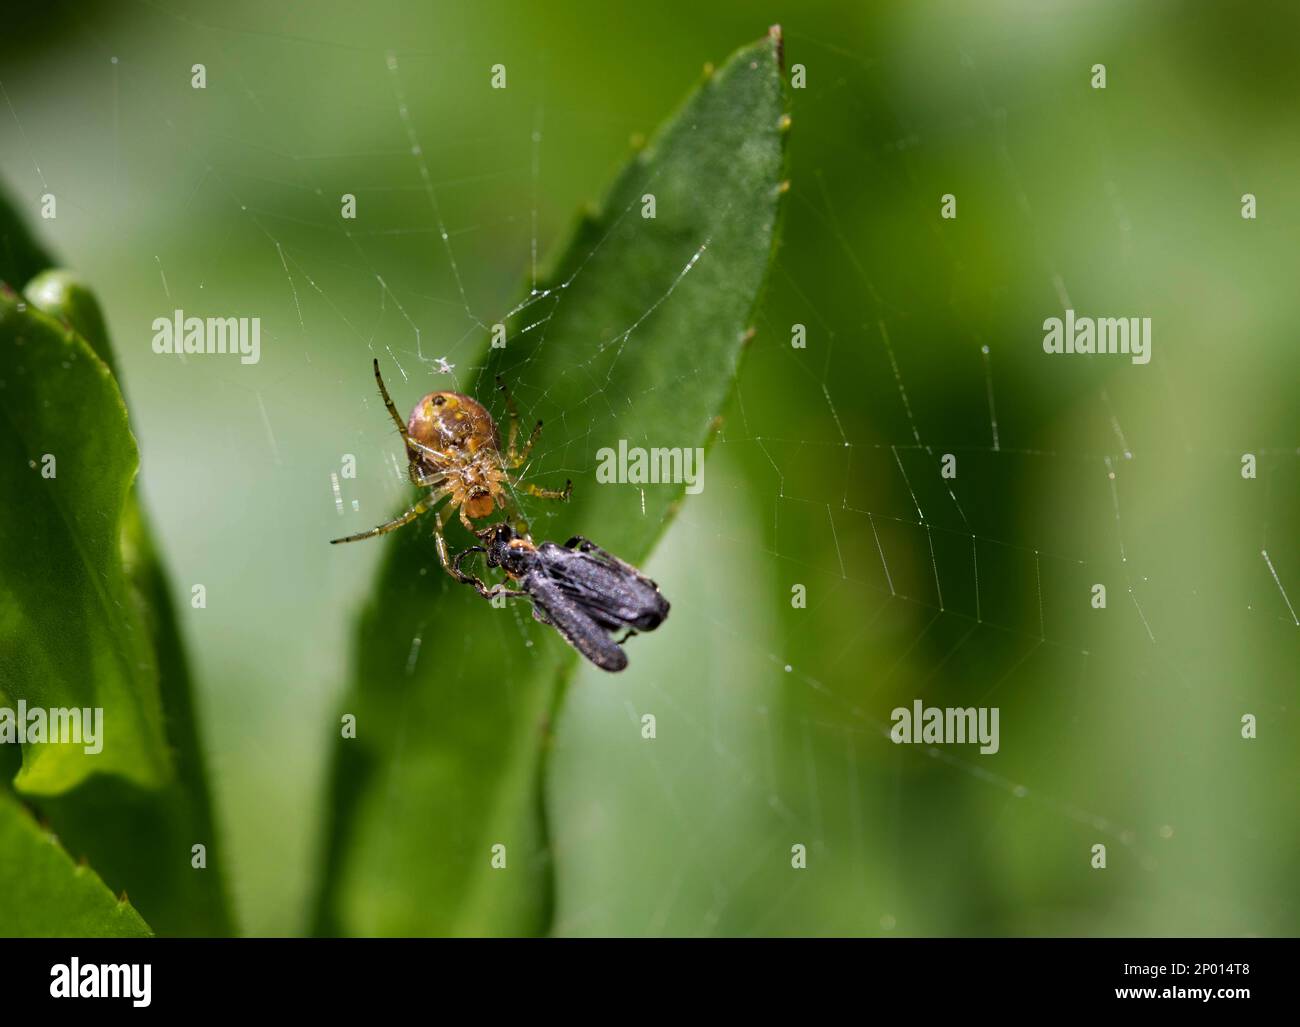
(1120, 727)
(87, 624)
(44, 894)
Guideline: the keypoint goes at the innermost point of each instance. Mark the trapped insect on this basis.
(579, 589)
(453, 448)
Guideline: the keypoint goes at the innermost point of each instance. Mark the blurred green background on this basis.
(1119, 726)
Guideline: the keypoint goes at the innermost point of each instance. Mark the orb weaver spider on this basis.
(453, 448)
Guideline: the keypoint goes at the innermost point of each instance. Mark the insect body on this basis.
(453, 448)
(582, 591)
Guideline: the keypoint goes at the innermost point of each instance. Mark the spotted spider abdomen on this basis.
(452, 424)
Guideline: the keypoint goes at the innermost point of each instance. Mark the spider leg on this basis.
(396, 522)
(413, 446)
(388, 402)
(541, 493)
(416, 446)
(513, 459)
(514, 415)
(441, 542)
(520, 458)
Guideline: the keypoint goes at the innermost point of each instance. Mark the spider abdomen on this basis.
(451, 428)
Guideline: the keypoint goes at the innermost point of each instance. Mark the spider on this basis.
(453, 448)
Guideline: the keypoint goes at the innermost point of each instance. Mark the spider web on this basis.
(771, 722)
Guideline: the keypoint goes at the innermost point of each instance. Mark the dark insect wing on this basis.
(583, 592)
(646, 599)
(611, 592)
(552, 606)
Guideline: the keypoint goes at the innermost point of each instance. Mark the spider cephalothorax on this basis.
(454, 450)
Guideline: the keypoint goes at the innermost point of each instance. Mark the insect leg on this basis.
(440, 540)
(456, 561)
(585, 545)
(486, 591)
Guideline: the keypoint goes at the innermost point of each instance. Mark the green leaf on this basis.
(63, 296)
(43, 893)
(636, 334)
(139, 813)
(71, 630)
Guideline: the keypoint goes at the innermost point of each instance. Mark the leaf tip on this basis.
(778, 45)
